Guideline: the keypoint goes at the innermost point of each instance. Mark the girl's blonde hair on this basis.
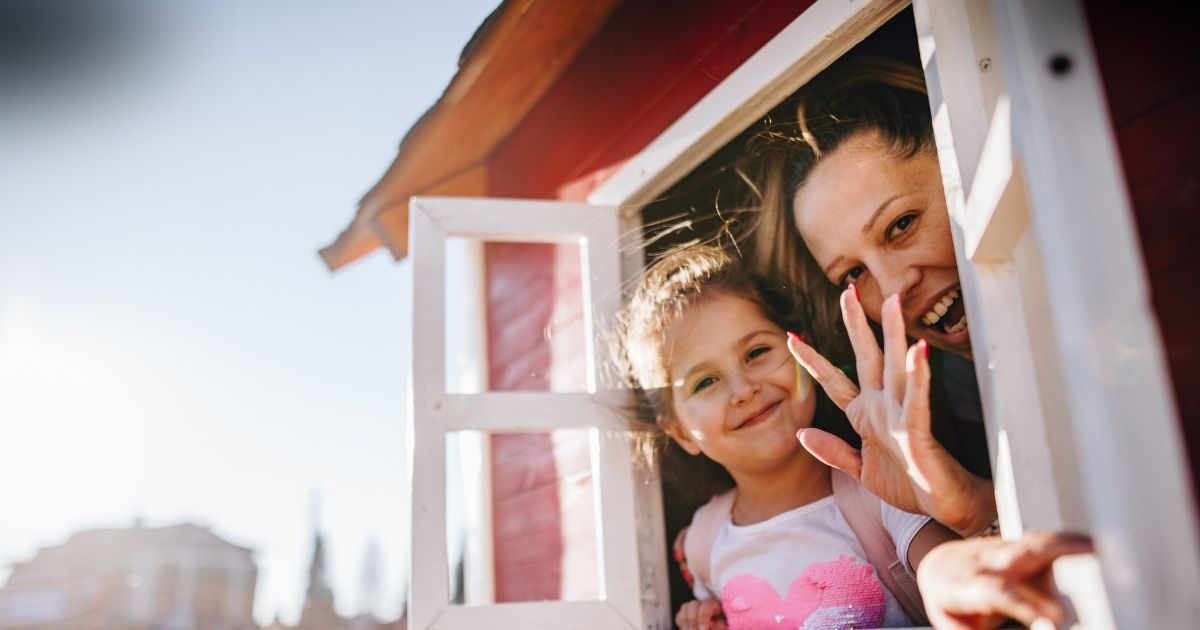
(853, 96)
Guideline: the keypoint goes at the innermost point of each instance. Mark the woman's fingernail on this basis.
(801, 338)
(854, 287)
(925, 348)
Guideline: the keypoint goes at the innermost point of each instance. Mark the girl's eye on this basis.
(851, 276)
(901, 225)
(703, 384)
(758, 352)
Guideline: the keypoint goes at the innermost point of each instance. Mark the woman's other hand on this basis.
(900, 460)
(701, 614)
(978, 583)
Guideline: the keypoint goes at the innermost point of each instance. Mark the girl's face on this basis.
(736, 393)
(877, 220)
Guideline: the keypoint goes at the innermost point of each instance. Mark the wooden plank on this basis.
(565, 615)
(1144, 57)
(650, 62)
(971, 125)
(821, 34)
(1135, 484)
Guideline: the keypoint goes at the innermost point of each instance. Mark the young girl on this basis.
(704, 344)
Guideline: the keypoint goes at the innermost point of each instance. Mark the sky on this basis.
(171, 346)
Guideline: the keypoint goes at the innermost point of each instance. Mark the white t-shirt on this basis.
(805, 569)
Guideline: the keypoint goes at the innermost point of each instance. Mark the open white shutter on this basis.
(628, 524)
(1076, 392)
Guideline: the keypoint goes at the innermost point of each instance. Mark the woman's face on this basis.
(878, 220)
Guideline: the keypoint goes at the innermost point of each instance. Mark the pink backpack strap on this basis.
(865, 515)
(702, 533)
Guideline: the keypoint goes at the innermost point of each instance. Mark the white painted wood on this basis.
(572, 615)
(626, 528)
(996, 212)
(509, 412)
(1114, 379)
(824, 32)
(1079, 579)
(428, 591)
(988, 217)
(467, 372)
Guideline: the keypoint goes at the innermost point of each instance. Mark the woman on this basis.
(859, 183)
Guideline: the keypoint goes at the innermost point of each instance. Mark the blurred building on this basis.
(180, 577)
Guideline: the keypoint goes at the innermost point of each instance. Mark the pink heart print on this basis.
(837, 594)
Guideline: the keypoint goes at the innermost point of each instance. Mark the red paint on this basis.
(535, 313)
(647, 66)
(1147, 64)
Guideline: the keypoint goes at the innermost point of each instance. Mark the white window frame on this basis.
(629, 529)
(1024, 154)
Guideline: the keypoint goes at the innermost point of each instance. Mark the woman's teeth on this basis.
(943, 305)
(961, 325)
(934, 315)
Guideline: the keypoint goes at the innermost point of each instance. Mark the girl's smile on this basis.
(759, 416)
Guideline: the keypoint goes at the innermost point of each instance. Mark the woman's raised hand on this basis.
(900, 461)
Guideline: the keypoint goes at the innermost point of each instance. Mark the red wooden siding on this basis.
(1147, 58)
(642, 71)
(647, 66)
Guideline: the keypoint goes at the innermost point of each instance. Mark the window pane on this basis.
(521, 517)
(515, 317)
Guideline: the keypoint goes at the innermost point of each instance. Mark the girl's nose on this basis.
(744, 389)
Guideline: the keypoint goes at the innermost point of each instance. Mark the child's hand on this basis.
(680, 555)
(900, 461)
(701, 614)
(978, 583)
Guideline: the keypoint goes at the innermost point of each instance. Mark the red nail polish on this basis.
(925, 348)
(855, 288)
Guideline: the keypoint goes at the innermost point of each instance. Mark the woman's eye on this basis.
(851, 276)
(758, 352)
(703, 384)
(901, 225)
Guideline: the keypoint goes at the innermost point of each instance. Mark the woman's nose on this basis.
(893, 279)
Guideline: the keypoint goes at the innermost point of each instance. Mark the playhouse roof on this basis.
(513, 58)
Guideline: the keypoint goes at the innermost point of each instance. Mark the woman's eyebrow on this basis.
(866, 229)
(828, 270)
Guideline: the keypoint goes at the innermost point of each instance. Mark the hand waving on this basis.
(900, 460)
